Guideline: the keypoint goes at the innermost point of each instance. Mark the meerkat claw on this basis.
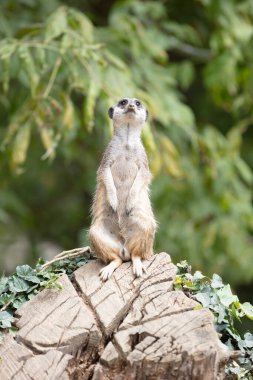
(129, 206)
(114, 207)
(113, 201)
(138, 267)
(128, 211)
(106, 272)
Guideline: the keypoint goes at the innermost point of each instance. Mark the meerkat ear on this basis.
(147, 115)
(110, 112)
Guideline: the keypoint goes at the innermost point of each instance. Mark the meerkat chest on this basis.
(125, 166)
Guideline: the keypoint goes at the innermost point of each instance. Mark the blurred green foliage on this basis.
(63, 63)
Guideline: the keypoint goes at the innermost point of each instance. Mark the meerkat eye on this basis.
(137, 103)
(123, 102)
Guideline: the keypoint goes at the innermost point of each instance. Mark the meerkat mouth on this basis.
(130, 110)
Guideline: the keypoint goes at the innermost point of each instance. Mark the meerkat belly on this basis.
(124, 171)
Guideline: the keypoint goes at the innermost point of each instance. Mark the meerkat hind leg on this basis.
(138, 268)
(106, 272)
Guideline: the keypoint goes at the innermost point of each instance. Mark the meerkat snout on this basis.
(131, 108)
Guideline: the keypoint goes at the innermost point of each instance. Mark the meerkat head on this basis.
(128, 110)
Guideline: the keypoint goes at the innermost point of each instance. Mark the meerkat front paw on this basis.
(131, 202)
(138, 267)
(113, 201)
(106, 272)
(128, 209)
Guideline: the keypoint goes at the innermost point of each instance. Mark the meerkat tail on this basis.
(106, 247)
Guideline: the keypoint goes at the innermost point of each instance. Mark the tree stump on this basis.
(125, 328)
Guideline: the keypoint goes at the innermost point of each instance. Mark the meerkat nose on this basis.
(131, 107)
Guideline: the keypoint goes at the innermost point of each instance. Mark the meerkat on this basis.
(123, 225)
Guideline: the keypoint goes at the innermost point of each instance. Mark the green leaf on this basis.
(203, 298)
(235, 312)
(225, 295)
(3, 284)
(244, 170)
(56, 24)
(197, 276)
(6, 319)
(89, 105)
(114, 60)
(29, 66)
(24, 270)
(41, 56)
(19, 302)
(221, 313)
(186, 74)
(7, 48)
(6, 74)
(27, 273)
(68, 113)
(18, 285)
(183, 266)
(5, 298)
(248, 338)
(78, 22)
(247, 308)
(148, 139)
(216, 281)
(20, 145)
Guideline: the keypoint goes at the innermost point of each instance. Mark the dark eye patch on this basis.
(138, 103)
(122, 102)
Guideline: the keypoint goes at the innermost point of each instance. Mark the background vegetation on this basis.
(63, 63)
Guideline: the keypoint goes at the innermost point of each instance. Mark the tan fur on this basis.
(123, 223)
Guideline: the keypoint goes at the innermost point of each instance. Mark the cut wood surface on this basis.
(125, 328)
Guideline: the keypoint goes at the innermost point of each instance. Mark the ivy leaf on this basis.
(18, 285)
(234, 335)
(225, 295)
(197, 276)
(19, 302)
(247, 308)
(6, 298)
(229, 344)
(3, 284)
(216, 281)
(6, 319)
(31, 289)
(183, 266)
(203, 298)
(221, 313)
(248, 338)
(27, 273)
(33, 294)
